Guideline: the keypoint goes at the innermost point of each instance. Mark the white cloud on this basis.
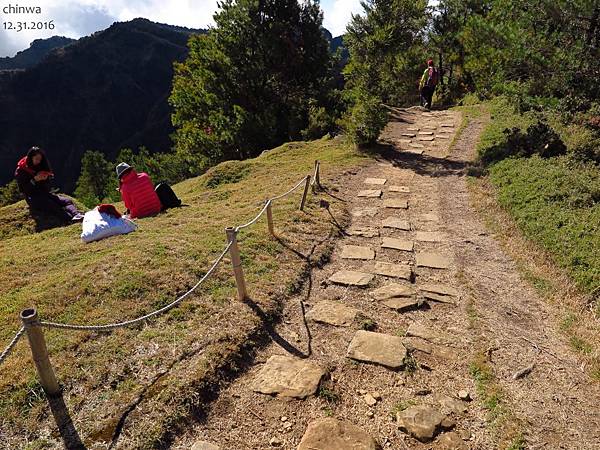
(339, 13)
(76, 18)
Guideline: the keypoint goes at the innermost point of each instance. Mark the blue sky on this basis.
(76, 18)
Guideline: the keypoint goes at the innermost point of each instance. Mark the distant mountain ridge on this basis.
(104, 92)
(34, 54)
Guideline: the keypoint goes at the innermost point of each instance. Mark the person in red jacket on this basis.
(137, 192)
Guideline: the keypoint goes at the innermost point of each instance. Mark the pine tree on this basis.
(95, 180)
(247, 84)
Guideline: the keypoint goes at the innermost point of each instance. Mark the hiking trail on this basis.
(416, 291)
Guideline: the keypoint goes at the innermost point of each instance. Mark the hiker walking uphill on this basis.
(33, 176)
(427, 85)
(137, 192)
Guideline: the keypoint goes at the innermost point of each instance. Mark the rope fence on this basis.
(32, 325)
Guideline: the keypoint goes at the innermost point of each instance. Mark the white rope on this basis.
(12, 344)
(171, 305)
(253, 221)
(303, 180)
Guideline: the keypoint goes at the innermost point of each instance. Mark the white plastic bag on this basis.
(97, 225)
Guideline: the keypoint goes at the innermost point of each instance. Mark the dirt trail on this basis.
(491, 308)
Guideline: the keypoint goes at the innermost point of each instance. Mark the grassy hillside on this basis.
(169, 362)
(555, 201)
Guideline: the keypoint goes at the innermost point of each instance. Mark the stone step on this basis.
(357, 252)
(351, 278)
(332, 434)
(432, 260)
(395, 203)
(369, 193)
(332, 313)
(393, 290)
(377, 348)
(366, 232)
(394, 222)
(398, 244)
(401, 189)
(376, 181)
(286, 376)
(403, 271)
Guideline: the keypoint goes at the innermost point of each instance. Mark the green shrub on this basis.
(226, 173)
(556, 203)
(365, 121)
(10, 194)
(320, 122)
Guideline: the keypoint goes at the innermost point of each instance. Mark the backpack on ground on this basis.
(433, 77)
(167, 197)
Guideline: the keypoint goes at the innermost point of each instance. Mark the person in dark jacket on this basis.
(137, 192)
(33, 175)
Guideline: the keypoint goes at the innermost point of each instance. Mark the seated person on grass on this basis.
(137, 192)
(33, 175)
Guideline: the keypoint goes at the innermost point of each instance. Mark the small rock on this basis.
(451, 441)
(376, 395)
(287, 425)
(369, 400)
(370, 414)
(330, 433)
(284, 418)
(275, 442)
(204, 445)
(464, 395)
(421, 422)
(465, 435)
(422, 392)
(362, 391)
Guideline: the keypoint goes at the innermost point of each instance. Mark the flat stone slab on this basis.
(365, 212)
(450, 405)
(403, 271)
(286, 376)
(426, 133)
(418, 344)
(351, 278)
(430, 217)
(370, 193)
(394, 222)
(426, 138)
(416, 145)
(363, 232)
(429, 236)
(378, 348)
(395, 203)
(401, 304)
(438, 298)
(404, 141)
(332, 313)
(333, 434)
(413, 129)
(393, 290)
(422, 422)
(432, 260)
(415, 151)
(204, 445)
(376, 181)
(410, 135)
(429, 334)
(401, 189)
(442, 136)
(398, 244)
(357, 252)
(447, 125)
(437, 288)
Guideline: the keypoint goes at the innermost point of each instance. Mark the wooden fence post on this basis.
(317, 180)
(270, 218)
(236, 262)
(39, 351)
(306, 186)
